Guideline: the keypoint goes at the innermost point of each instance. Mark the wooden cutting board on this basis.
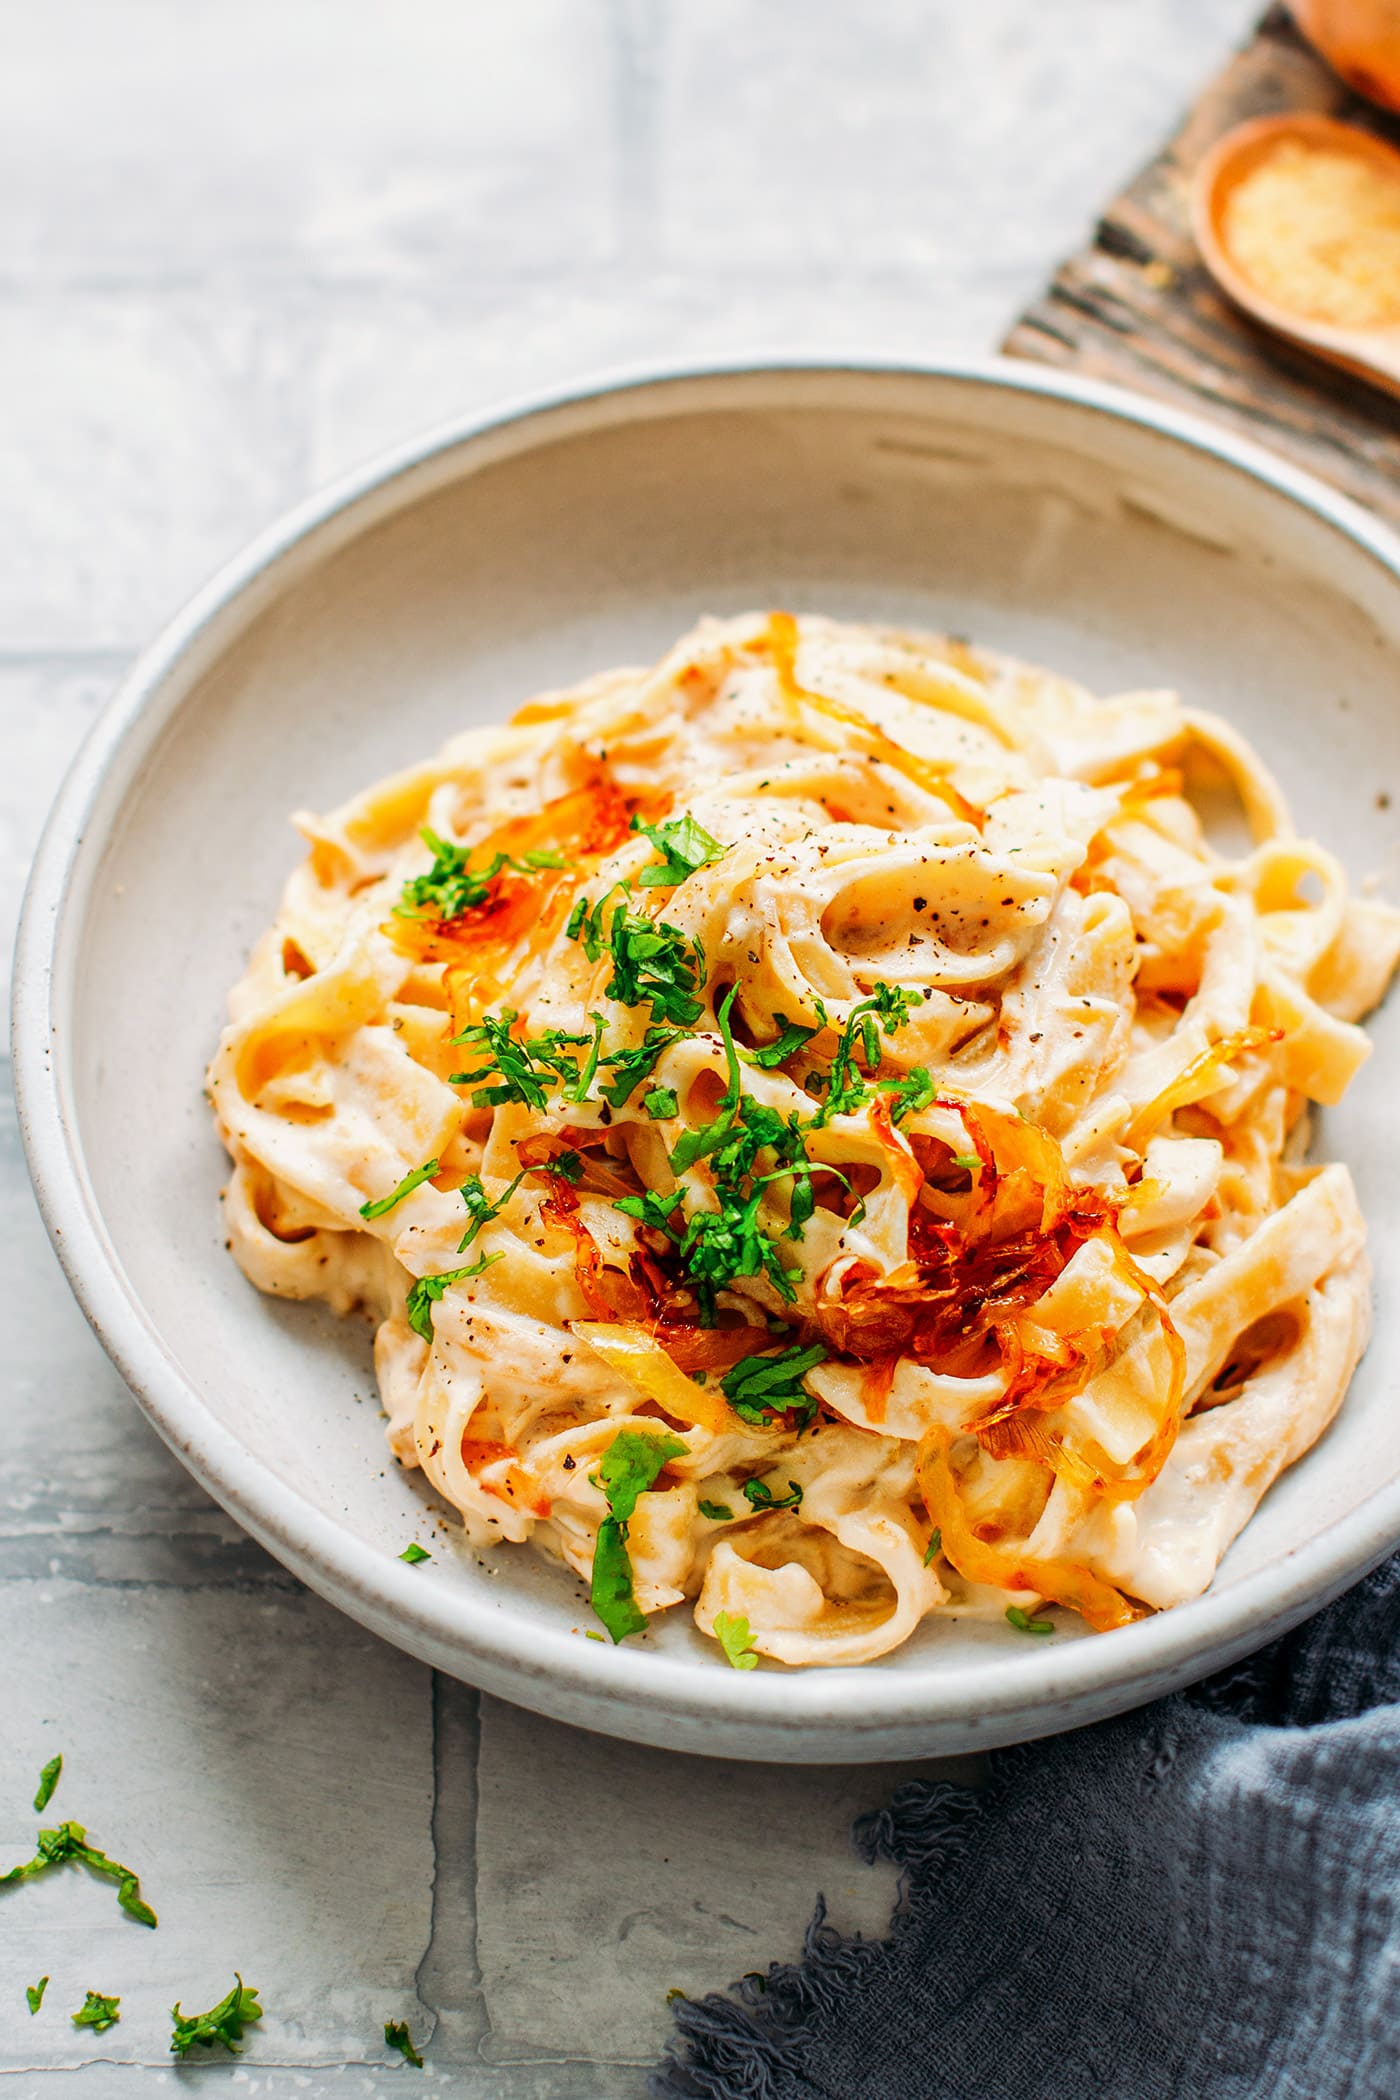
(1138, 308)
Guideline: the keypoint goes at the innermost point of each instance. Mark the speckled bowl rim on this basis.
(819, 1715)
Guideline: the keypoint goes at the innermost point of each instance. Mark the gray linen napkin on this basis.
(1200, 1901)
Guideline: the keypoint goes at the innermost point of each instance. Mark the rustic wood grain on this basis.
(1137, 306)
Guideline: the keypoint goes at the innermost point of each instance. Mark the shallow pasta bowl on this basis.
(1059, 520)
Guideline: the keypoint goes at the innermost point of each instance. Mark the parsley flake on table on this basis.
(1024, 1623)
(222, 2026)
(760, 1387)
(628, 1468)
(34, 1993)
(732, 1633)
(97, 2012)
(414, 1554)
(397, 2036)
(69, 1841)
(428, 1290)
(684, 845)
(760, 1496)
(385, 1204)
(48, 1780)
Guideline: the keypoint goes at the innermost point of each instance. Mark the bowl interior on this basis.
(593, 534)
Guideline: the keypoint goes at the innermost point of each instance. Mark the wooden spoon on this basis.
(1373, 353)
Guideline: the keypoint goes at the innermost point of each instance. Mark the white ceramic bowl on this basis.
(1100, 535)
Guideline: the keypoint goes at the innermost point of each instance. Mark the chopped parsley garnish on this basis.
(222, 2025)
(790, 1040)
(661, 1101)
(732, 1633)
(971, 1160)
(429, 1289)
(760, 1387)
(34, 1993)
(887, 1008)
(716, 1246)
(415, 1554)
(523, 1070)
(717, 1512)
(397, 2036)
(655, 962)
(568, 1164)
(908, 1095)
(628, 1468)
(480, 1208)
(586, 926)
(98, 2012)
(630, 1067)
(69, 1841)
(934, 1547)
(684, 847)
(452, 886)
(1023, 1622)
(759, 1495)
(48, 1780)
(384, 1205)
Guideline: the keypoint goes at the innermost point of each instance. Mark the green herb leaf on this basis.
(971, 1160)
(660, 1102)
(630, 1465)
(683, 845)
(1024, 1623)
(628, 1468)
(792, 1035)
(34, 1993)
(611, 1593)
(586, 926)
(760, 1387)
(732, 1633)
(655, 962)
(98, 2012)
(69, 1841)
(630, 1067)
(578, 1090)
(568, 1164)
(415, 1554)
(915, 1091)
(889, 1006)
(452, 886)
(406, 1187)
(934, 1547)
(426, 1293)
(524, 1070)
(397, 2036)
(480, 1207)
(717, 1512)
(222, 2025)
(759, 1495)
(48, 1780)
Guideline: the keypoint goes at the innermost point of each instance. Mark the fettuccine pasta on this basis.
(821, 1132)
